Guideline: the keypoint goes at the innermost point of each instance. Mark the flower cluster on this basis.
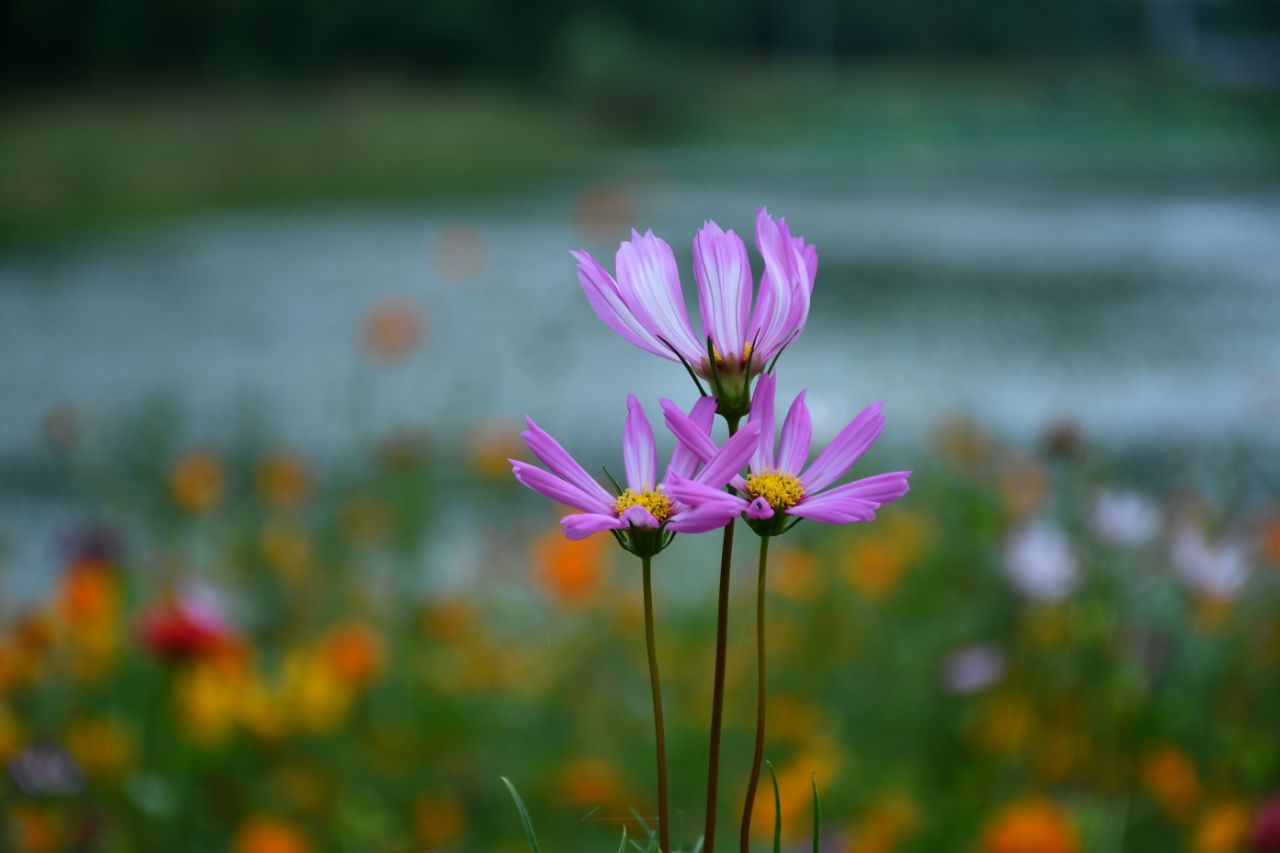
(705, 486)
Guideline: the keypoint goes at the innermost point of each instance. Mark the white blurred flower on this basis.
(1039, 562)
(1125, 519)
(1218, 572)
(972, 669)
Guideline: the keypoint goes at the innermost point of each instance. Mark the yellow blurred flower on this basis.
(102, 747)
(1048, 625)
(208, 697)
(392, 329)
(490, 445)
(365, 519)
(798, 575)
(887, 824)
(438, 818)
(876, 558)
(570, 572)
(283, 479)
(1031, 825)
(10, 734)
(796, 721)
(286, 547)
(1223, 828)
(588, 782)
(196, 481)
(1169, 774)
(355, 652)
(264, 834)
(1005, 723)
(317, 698)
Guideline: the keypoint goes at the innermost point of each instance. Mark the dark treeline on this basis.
(79, 41)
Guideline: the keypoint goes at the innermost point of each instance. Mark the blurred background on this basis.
(279, 282)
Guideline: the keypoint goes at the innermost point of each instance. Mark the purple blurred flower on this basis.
(779, 485)
(1218, 572)
(1125, 519)
(646, 504)
(972, 668)
(645, 303)
(1038, 560)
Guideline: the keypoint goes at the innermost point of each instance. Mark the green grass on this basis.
(75, 163)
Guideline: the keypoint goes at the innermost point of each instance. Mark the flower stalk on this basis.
(655, 685)
(761, 693)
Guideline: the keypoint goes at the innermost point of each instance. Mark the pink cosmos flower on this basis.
(779, 484)
(646, 507)
(645, 303)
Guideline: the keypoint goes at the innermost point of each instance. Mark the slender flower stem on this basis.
(760, 700)
(656, 685)
(717, 697)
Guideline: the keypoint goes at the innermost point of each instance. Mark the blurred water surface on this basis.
(1146, 317)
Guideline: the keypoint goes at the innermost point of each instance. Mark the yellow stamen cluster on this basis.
(658, 504)
(780, 489)
(746, 356)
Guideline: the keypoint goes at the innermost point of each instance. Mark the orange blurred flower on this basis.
(876, 559)
(447, 619)
(264, 834)
(392, 328)
(489, 446)
(438, 818)
(1169, 774)
(1023, 485)
(570, 572)
(196, 481)
(889, 822)
(1031, 825)
(1224, 828)
(34, 829)
(795, 792)
(798, 575)
(283, 479)
(588, 782)
(602, 211)
(1269, 540)
(356, 653)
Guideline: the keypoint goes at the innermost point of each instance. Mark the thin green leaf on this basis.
(777, 810)
(817, 813)
(524, 815)
(616, 487)
(692, 374)
(623, 846)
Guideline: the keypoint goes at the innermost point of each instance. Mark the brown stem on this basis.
(659, 731)
(749, 805)
(717, 696)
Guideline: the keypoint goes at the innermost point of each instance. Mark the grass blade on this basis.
(777, 810)
(524, 815)
(817, 813)
(622, 848)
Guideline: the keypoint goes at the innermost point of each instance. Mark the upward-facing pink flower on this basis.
(645, 507)
(645, 303)
(780, 484)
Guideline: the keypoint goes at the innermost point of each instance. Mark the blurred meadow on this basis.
(279, 284)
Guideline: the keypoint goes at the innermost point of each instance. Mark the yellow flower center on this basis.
(780, 489)
(746, 356)
(658, 504)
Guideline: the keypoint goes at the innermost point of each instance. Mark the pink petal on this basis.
(683, 460)
(797, 430)
(638, 450)
(582, 526)
(879, 489)
(688, 431)
(759, 509)
(555, 488)
(762, 414)
(723, 273)
(605, 298)
(554, 456)
(707, 517)
(694, 494)
(649, 283)
(834, 510)
(845, 448)
(638, 516)
(730, 458)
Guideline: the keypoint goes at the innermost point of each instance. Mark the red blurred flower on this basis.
(182, 629)
(1266, 827)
